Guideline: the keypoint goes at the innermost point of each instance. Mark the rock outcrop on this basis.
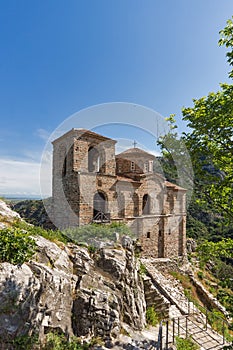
(67, 289)
(7, 215)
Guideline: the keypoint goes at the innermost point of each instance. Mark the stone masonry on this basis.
(93, 184)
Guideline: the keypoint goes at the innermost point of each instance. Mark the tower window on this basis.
(93, 160)
(148, 235)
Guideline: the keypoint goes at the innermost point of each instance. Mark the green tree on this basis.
(210, 144)
(226, 38)
(210, 140)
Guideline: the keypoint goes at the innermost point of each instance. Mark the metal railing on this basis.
(102, 218)
(195, 321)
(209, 317)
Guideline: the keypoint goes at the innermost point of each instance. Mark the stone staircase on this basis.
(168, 286)
(184, 318)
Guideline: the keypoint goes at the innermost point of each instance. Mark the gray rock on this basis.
(65, 289)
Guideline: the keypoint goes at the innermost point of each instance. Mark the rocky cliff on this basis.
(67, 289)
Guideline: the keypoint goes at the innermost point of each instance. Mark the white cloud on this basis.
(43, 134)
(34, 177)
(20, 177)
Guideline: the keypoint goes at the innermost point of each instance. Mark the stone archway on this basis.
(99, 204)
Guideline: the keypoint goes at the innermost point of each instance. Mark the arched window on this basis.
(93, 160)
(146, 204)
(99, 204)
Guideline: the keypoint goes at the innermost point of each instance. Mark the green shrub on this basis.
(51, 235)
(186, 344)
(143, 269)
(101, 232)
(25, 342)
(151, 316)
(55, 341)
(16, 246)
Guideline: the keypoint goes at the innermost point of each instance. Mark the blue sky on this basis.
(58, 57)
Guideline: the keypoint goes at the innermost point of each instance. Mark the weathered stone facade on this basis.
(92, 184)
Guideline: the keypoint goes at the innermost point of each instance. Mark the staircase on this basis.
(189, 325)
(185, 319)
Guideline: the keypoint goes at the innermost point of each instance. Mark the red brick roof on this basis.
(174, 186)
(135, 152)
(126, 179)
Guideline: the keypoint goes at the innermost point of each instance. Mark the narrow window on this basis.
(64, 169)
(133, 167)
(160, 233)
(146, 167)
(148, 235)
(146, 204)
(151, 166)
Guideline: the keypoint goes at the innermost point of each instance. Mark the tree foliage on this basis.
(212, 250)
(226, 38)
(210, 144)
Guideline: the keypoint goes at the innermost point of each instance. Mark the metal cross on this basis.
(134, 144)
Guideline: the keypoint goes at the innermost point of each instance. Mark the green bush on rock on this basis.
(16, 246)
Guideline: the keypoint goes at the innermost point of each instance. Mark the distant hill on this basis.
(19, 197)
(34, 212)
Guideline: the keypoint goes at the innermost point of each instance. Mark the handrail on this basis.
(101, 217)
(206, 312)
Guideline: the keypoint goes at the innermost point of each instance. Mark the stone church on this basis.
(93, 184)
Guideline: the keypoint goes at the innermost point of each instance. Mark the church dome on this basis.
(135, 153)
